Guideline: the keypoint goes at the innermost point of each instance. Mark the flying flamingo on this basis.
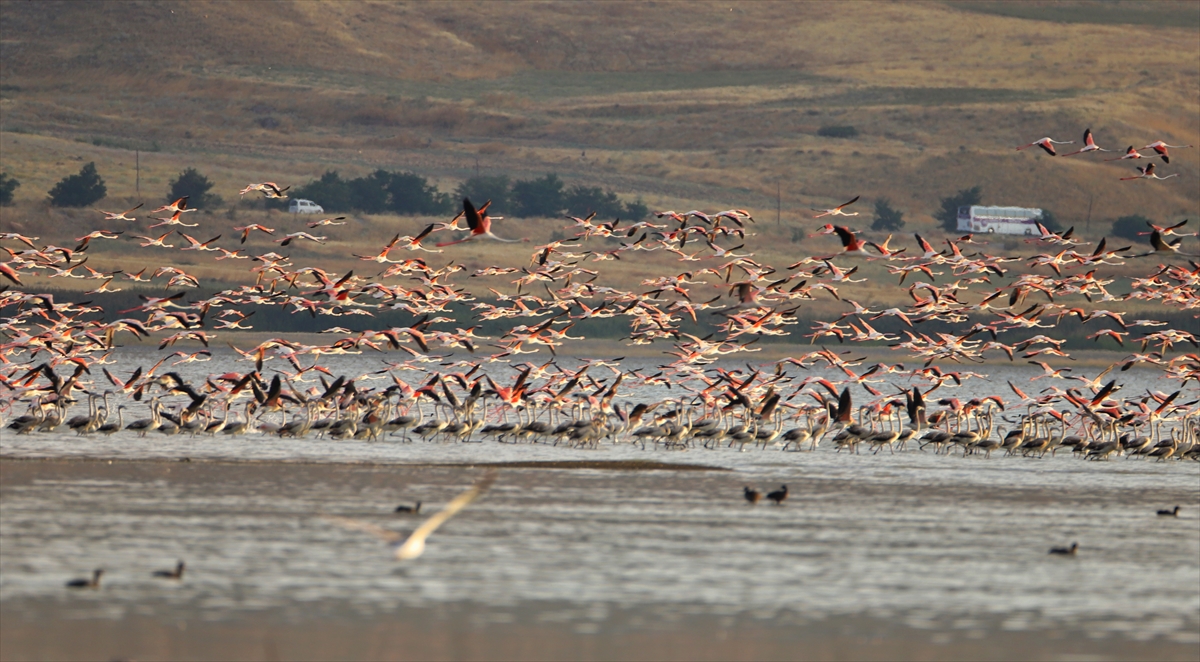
(247, 229)
(850, 243)
(479, 223)
(1161, 147)
(328, 221)
(1047, 144)
(123, 216)
(1164, 231)
(269, 189)
(837, 211)
(173, 220)
(1130, 153)
(176, 207)
(1148, 173)
(1089, 145)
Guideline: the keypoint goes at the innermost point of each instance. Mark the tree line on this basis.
(407, 193)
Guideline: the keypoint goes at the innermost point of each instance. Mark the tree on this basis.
(948, 214)
(887, 218)
(79, 190)
(330, 191)
(1129, 226)
(538, 197)
(636, 210)
(582, 200)
(370, 194)
(7, 186)
(194, 185)
(482, 188)
(412, 194)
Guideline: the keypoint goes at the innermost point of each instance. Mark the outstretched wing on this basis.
(415, 545)
(358, 525)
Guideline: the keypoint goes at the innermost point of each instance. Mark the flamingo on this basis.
(1089, 145)
(1161, 147)
(269, 189)
(851, 243)
(1047, 144)
(1147, 172)
(328, 221)
(194, 245)
(1130, 153)
(837, 211)
(179, 206)
(247, 229)
(120, 216)
(479, 223)
(173, 220)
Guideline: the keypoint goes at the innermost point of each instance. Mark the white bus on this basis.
(999, 220)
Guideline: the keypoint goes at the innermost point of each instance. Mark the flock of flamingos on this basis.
(55, 374)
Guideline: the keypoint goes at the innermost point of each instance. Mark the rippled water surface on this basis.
(911, 537)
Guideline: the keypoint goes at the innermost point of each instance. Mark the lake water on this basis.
(933, 549)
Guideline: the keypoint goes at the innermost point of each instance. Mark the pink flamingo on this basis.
(1089, 145)
(479, 223)
(1047, 144)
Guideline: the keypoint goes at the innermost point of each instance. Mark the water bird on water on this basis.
(177, 573)
(410, 510)
(1065, 551)
(752, 495)
(1174, 512)
(94, 582)
(779, 496)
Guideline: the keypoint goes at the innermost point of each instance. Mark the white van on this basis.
(299, 206)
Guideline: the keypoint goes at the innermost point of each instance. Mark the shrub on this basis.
(369, 194)
(412, 194)
(582, 200)
(887, 218)
(636, 210)
(837, 131)
(330, 191)
(1129, 226)
(196, 186)
(7, 186)
(482, 188)
(538, 197)
(948, 214)
(79, 190)
(378, 192)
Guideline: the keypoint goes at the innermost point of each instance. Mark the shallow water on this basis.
(922, 540)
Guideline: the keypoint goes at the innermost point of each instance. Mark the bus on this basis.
(999, 220)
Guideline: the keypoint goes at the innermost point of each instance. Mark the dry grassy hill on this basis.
(690, 105)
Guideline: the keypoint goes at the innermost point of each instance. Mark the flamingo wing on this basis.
(474, 219)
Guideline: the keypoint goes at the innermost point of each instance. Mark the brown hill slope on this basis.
(684, 104)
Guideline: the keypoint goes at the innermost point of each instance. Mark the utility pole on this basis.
(778, 202)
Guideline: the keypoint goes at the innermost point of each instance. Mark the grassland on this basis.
(686, 105)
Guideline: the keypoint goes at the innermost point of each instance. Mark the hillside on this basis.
(683, 104)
